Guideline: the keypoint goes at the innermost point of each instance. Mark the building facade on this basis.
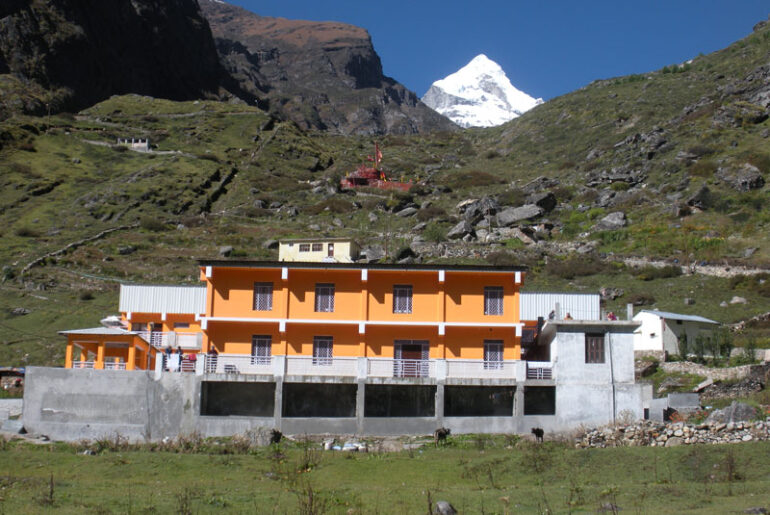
(659, 331)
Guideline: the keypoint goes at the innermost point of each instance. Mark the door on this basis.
(411, 358)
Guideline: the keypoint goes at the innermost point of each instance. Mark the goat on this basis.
(275, 436)
(538, 432)
(440, 434)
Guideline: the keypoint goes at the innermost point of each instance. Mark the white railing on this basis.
(539, 370)
(310, 366)
(476, 368)
(236, 364)
(114, 365)
(83, 364)
(384, 367)
(161, 340)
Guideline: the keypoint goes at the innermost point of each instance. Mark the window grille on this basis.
(304, 247)
(324, 297)
(261, 349)
(322, 350)
(493, 300)
(493, 354)
(402, 298)
(318, 247)
(263, 296)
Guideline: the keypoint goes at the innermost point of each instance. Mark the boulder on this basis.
(460, 230)
(545, 200)
(372, 216)
(738, 300)
(225, 251)
(512, 215)
(607, 293)
(373, 253)
(735, 412)
(612, 221)
(408, 211)
(539, 184)
(701, 198)
(125, 251)
(444, 508)
(405, 253)
(747, 177)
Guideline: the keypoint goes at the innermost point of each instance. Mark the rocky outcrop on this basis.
(658, 434)
(321, 75)
(84, 52)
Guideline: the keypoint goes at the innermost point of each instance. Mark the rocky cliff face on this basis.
(82, 52)
(322, 75)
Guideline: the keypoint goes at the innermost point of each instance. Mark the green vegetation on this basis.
(477, 474)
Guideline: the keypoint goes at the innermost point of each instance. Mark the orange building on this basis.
(323, 316)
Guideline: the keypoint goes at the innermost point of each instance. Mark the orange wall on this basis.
(465, 297)
(168, 324)
(424, 295)
(468, 342)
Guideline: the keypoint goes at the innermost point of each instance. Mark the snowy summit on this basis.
(478, 95)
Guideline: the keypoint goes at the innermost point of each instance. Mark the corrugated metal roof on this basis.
(101, 331)
(162, 299)
(679, 316)
(581, 306)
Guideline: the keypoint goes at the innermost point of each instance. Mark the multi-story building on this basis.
(314, 347)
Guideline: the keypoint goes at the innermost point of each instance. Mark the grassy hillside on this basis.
(225, 174)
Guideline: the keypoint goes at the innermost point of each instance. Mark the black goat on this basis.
(538, 432)
(275, 436)
(440, 434)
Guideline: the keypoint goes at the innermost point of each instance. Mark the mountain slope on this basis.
(321, 75)
(478, 95)
(73, 54)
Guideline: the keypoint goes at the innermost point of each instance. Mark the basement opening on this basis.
(478, 401)
(222, 399)
(309, 400)
(539, 400)
(399, 401)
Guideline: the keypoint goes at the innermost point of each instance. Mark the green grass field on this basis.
(477, 474)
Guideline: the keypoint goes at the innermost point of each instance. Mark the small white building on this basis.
(593, 376)
(318, 250)
(659, 331)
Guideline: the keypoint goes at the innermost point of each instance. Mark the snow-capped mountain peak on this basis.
(478, 95)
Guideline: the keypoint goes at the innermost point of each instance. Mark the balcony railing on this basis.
(83, 364)
(384, 367)
(161, 340)
(114, 365)
(237, 364)
(472, 368)
(539, 370)
(310, 366)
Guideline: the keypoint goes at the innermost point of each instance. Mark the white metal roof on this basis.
(678, 316)
(162, 299)
(101, 331)
(581, 306)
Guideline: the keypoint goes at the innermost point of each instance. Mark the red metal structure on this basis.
(372, 176)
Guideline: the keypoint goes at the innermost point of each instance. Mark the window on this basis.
(263, 296)
(493, 300)
(402, 298)
(594, 348)
(181, 325)
(493, 354)
(261, 349)
(324, 297)
(304, 247)
(318, 247)
(322, 350)
(140, 327)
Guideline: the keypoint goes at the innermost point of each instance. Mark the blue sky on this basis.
(547, 48)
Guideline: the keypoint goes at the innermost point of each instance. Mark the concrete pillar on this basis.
(158, 365)
(200, 364)
(629, 311)
(360, 406)
(440, 404)
(131, 360)
(363, 368)
(518, 401)
(68, 355)
(441, 369)
(278, 400)
(99, 356)
(279, 366)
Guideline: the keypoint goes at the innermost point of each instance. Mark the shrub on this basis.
(649, 272)
(502, 258)
(641, 299)
(208, 157)
(86, 295)
(620, 186)
(512, 197)
(26, 232)
(333, 205)
(151, 224)
(705, 168)
(434, 232)
(576, 266)
(429, 213)
(27, 147)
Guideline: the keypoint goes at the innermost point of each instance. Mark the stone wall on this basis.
(717, 374)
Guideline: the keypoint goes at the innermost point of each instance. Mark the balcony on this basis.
(173, 339)
(362, 368)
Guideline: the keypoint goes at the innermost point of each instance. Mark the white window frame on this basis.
(324, 297)
(402, 298)
(263, 296)
(261, 349)
(323, 351)
(493, 354)
(493, 300)
(318, 247)
(304, 247)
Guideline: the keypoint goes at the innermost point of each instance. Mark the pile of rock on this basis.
(659, 434)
